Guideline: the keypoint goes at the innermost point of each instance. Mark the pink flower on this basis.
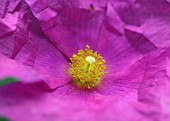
(39, 38)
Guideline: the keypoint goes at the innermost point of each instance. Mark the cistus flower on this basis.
(85, 60)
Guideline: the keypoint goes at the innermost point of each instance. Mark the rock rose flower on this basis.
(85, 60)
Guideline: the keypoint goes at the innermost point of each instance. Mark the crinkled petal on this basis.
(69, 28)
(14, 24)
(117, 51)
(152, 18)
(113, 21)
(22, 44)
(12, 69)
(154, 32)
(155, 70)
(156, 29)
(136, 12)
(40, 54)
(155, 85)
(122, 83)
(29, 102)
(122, 32)
(98, 5)
(138, 41)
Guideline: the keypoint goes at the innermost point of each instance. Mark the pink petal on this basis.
(40, 54)
(10, 68)
(29, 102)
(156, 29)
(21, 44)
(97, 5)
(117, 51)
(118, 84)
(123, 82)
(14, 25)
(151, 17)
(155, 73)
(154, 89)
(69, 28)
(139, 42)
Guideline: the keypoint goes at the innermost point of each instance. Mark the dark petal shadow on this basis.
(139, 42)
(18, 93)
(112, 29)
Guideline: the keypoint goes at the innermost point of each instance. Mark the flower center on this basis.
(87, 68)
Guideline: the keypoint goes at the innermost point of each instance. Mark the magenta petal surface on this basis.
(122, 83)
(155, 73)
(10, 68)
(117, 51)
(68, 27)
(97, 5)
(7, 32)
(31, 101)
(157, 30)
(151, 17)
(23, 40)
(14, 22)
(40, 54)
(154, 88)
(39, 36)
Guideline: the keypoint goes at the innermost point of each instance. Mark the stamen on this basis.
(87, 68)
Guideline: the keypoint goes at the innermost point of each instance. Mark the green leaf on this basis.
(8, 81)
(3, 119)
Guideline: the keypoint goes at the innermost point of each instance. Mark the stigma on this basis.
(90, 59)
(87, 68)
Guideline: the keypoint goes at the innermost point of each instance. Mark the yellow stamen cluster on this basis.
(87, 68)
